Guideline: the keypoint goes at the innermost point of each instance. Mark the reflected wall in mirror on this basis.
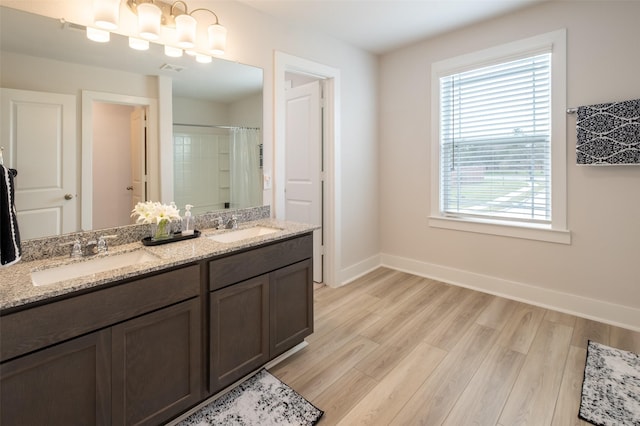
(217, 167)
(73, 125)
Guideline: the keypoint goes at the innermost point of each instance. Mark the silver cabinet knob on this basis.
(68, 196)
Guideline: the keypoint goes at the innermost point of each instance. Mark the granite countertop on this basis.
(18, 290)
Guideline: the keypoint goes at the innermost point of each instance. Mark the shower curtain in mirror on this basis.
(246, 179)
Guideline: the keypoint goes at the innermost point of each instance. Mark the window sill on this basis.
(506, 229)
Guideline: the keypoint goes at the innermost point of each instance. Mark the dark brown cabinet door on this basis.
(239, 331)
(157, 364)
(66, 384)
(291, 306)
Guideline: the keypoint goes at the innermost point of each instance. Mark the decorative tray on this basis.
(176, 236)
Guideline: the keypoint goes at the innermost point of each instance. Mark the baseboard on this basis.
(606, 312)
(356, 271)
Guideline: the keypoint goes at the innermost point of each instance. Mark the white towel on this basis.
(9, 235)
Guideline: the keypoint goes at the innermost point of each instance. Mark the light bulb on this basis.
(149, 17)
(138, 43)
(95, 34)
(217, 38)
(106, 14)
(186, 29)
(174, 52)
(203, 59)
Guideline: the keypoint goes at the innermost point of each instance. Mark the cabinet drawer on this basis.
(239, 267)
(45, 325)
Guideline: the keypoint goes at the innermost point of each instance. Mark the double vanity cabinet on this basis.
(145, 349)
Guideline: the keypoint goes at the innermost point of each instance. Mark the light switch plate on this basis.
(266, 181)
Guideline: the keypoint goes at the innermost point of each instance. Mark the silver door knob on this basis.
(68, 196)
(129, 188)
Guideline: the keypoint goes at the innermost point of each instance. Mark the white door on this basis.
(138, 156)
(303, 161)
(39, 139)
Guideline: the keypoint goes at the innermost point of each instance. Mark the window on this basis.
(500, 149)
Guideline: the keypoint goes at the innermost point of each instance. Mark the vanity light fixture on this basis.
(186, 27)
(173, 52)
(106, 14)
(138, 43)
(149, 17)
(96, 34)
(217, 38)
(152, 17)
(203, 59)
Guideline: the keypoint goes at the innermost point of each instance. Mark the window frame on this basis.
(556, 231)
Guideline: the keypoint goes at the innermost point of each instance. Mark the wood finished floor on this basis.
(393, 348)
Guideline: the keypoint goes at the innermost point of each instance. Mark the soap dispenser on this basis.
(187, 221)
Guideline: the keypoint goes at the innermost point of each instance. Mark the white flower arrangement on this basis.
(158, 214)
(155, 212)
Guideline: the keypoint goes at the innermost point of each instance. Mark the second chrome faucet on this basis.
(230, 224)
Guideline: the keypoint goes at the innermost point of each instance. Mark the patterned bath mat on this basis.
(261, 400)
(611, 387)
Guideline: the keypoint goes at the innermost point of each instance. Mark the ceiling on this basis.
(40, 36)
(379, 26)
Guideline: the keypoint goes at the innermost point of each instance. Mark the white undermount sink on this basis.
(88, 267)
(243, 234)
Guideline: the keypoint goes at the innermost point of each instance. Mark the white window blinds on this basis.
(495, 141)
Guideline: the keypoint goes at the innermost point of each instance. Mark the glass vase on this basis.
(161, 230)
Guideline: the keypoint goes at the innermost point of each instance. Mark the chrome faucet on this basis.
(232, 223)
(217, 222)
(76, 248)
(79, 248)
(103, 247)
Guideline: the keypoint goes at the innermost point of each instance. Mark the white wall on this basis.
(246, 112)
(597, 275)
(199, 111)
(47, 75)
(252, 39)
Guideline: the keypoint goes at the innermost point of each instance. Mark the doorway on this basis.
(303, 159)
(139, 151)
(287, 66)
(119, 173)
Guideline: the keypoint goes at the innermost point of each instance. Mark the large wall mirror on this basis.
(92, 128)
